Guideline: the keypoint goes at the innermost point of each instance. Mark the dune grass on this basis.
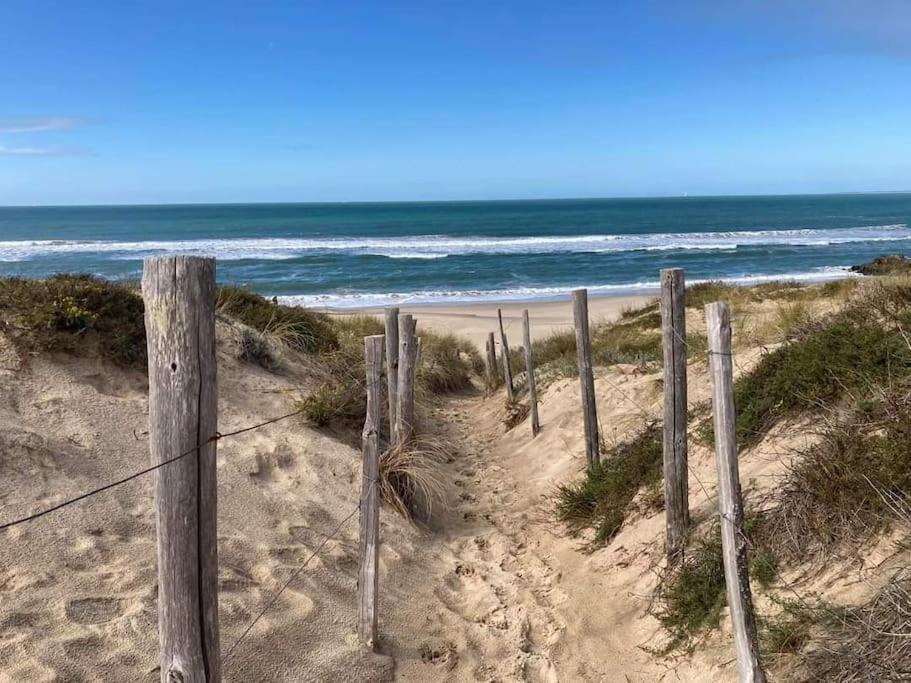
(844, 354)
(79, 314)
(601, 500)
(295, 327)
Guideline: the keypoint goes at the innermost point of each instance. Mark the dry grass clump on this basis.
(75, 313)
(447, 365)
(634, 339)
(841, 491)
(409, 477)
(292, 326)
(255, 347)
(515, 414)
(868, 643)
(602, 499)
(698, 295)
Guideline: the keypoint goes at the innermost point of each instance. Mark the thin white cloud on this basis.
(37, 125)
(37, 151)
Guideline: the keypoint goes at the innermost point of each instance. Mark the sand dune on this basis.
(491, 590)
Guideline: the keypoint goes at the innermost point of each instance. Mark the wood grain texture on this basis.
(504, 350)
(391, 319)
(530, 374)
(586, 377)
(179, 294)
(404, 426)
(676, 477)
(493, 376)
(730, 502)
(368, 577)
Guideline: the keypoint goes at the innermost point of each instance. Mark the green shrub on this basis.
(844, 354)
(75, 313)
(601, 500)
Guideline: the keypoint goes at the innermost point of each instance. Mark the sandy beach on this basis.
(475, 321)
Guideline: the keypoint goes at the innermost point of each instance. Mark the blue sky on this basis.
(148, 102)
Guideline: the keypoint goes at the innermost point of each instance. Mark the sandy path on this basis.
(494, 604)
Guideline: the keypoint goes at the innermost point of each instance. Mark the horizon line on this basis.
(454, 201)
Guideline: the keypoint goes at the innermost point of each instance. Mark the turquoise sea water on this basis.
(344, 255)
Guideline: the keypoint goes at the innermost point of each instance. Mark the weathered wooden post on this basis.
(586, 378)
(392, 364)
(676, 479)
(367, 577)
(507, 370)
(530, 374)
(730, 502)
(404, 426)
(493, 377)
(179, 294)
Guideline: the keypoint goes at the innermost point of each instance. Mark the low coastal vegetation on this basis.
(78, 314)
(845, 366)
(602, 499)
(91, 316)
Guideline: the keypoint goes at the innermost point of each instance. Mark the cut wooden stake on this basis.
(504, 350)
(586, 377)
(179, 294)
(730, 502)
(530, 374)
(493, 376)
(676, 480)
(392, 365)
(404, 427)
(367, 578)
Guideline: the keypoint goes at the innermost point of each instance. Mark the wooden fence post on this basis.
(507, 370)
(676, 476)
(367, 577)
(530, 374)
(730, 502)
(404, 426)
(493, 376)
(392, 365)
(179, 294)
(586, 378)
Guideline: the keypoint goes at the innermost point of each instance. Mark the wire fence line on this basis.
(328, 537)
(195, 449)
(214, 438)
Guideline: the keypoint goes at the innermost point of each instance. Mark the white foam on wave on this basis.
(374, 300)
(438, 246)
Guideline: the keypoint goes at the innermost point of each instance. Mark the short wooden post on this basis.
(493, 376)
(179, 294)
(507, 370)
(392, 365)
(730, 502)
(418, 353)
(367, 577)
(586, 377)
(530, 374)
(404, 426)
(676, 479)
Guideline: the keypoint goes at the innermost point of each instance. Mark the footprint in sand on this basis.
(94, 610)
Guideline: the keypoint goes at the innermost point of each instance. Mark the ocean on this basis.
(372, 254)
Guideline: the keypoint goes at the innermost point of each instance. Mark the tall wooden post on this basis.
(392, 365)
(367, 577)
(493, 376)
(179, 294)
(404, 426)
(530, 374)
(730, 502)
(676, 480)
(586, 377)
(504, 349)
